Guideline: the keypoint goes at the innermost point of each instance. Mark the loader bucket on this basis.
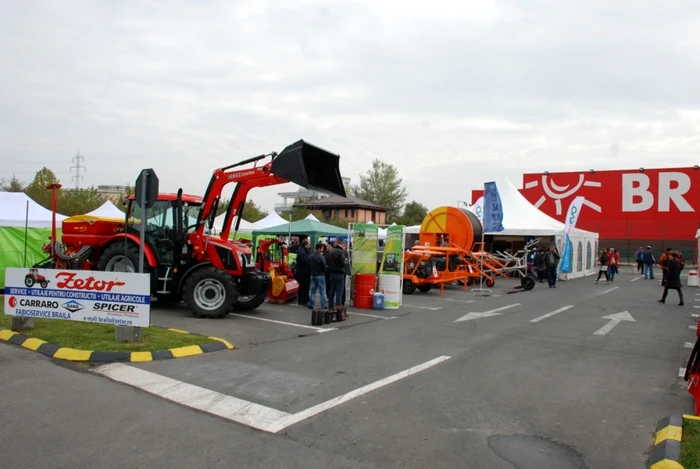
(310, 167)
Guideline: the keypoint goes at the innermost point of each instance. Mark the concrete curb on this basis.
(96, 356)
(666, 453)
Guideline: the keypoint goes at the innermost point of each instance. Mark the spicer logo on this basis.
(72, 306)
(121, 308)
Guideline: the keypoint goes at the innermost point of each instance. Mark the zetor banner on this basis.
(364, 248)
(118, 298)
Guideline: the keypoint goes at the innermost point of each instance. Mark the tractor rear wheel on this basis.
(250, 302)
(425, 288)
(409, 288)
(210, 293)
(116, 259)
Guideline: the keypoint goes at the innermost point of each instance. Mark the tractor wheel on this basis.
(528, 282)
(409, 287)
(490, 282)
(115, 259)
(425, 288)
(29, 282)
(44, 284)
(250, 302)
(210, 293)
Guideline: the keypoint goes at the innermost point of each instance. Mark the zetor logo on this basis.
(12, 301)
(69, 282)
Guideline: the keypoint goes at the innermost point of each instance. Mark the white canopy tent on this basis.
(273, 219)
(311, 217)
(17, 209)
(244, 227)
(107, 210)
(522, 219)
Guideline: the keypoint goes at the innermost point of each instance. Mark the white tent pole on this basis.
(26, 233)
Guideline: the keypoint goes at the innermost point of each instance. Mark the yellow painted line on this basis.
(33, 343)
(5, 334)
(667, 464)
(72, 355)
(139, 357)
(186, 351)
(225, 342)
(691, 417)
(179, 331)
(670, 432)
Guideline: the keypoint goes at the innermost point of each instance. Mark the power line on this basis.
(77, 177)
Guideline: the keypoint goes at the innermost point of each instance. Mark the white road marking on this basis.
(697, 299)
(422, 307)
(553, 313)
(607, 291)
(371, 315)
(317, 329)
(696, 306)
(189, 395)
(485, 314)
(458, 301)
(317, 409)
(235, 409)
(692, 328)
(681, 372)
(635, 279)
(688, 345)
(695, 315)
(615, 319)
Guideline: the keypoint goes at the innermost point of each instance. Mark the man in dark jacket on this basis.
(302, 274)
(538, 264)
(336, 270)
(673, 277)
(317, 269)
(551, 260)
(648, 259)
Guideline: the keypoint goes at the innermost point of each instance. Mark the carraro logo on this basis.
(12, 302)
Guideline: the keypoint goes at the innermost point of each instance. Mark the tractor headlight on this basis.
(242, 259)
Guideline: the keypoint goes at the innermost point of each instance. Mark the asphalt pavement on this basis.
(572, 377)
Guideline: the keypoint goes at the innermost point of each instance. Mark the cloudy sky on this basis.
(453, 93)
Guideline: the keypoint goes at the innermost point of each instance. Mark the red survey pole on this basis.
(54, 188)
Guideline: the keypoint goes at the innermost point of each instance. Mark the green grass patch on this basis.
(690, 444)
(90, 336)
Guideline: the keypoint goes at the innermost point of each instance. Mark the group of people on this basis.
(609, 263)
(322, 271)
(546, 263)
(671, 263)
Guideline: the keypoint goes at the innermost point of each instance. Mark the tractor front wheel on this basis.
(210, 293)
(250, 302)
(409, 288)
(44, 284)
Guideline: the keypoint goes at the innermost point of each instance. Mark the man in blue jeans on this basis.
(336, 268)
(317, 268)
(649, 261)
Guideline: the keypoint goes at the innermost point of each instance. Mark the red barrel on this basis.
(363, 290)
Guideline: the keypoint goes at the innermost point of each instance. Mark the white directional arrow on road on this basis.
(485, 314)
(615, 319)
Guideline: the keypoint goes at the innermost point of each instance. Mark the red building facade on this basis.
(628, 208)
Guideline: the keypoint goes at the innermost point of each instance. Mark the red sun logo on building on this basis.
(12, 301)
(558, 193)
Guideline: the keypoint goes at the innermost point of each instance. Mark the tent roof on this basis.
(13, 211)
(304, 227)
(521, 218)
(244, 227)
(273, 219)
(107, 210)
(311, 217)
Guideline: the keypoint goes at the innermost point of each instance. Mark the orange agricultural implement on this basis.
(272, 258)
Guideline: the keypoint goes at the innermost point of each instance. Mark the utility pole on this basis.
(78, 159)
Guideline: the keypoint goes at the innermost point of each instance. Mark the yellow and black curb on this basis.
(96, 356)
(666, 453)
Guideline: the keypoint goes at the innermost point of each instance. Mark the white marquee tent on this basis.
(311, 217)
(244, 227)
(273, 219)
(107, 210)
(521, 219)
(16, 209)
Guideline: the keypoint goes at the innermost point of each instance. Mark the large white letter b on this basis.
(636, 185)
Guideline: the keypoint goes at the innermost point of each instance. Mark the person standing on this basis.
(663, 263)
(612, 264)
(540, 265)
(603, 270)
(640, 260)
(673, 277)
(649, 260)
(336, 270)
(317, 271)
(302, 274)
(552, 262)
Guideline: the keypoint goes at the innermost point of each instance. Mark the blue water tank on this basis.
(378, 301)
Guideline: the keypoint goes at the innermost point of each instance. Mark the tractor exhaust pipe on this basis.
(310, 167)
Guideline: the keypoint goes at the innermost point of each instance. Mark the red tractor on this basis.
(35, 277)
(213, 275)
(272, 258)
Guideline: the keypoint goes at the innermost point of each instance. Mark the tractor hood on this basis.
(310, 167)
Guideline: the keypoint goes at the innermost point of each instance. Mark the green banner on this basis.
(393, 251)
(12, 251)
(364, 248)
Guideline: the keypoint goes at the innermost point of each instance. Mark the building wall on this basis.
(351, 215)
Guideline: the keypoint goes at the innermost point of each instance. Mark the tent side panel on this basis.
(12, 250)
